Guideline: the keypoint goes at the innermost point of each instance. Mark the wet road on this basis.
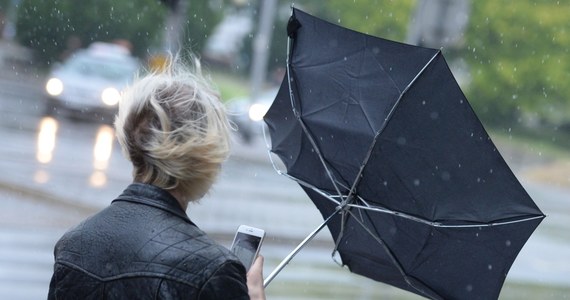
(56, 171)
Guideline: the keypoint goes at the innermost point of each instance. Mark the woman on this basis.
(173, 128)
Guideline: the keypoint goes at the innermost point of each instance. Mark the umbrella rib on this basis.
(386, 120)
(314, 188)
(303, 126)
(439, 224)
(493, 223)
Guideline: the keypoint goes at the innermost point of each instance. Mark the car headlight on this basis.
(257, 111)
(111, 96)
(54, 86)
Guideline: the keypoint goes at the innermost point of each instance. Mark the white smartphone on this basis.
(247, 243)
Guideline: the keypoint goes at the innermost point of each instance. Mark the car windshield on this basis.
(110, 69)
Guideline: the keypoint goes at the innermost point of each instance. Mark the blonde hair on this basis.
(173, 127)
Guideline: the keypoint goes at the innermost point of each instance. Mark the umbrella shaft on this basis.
(288, 258)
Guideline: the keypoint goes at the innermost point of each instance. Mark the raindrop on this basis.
(345, 59)
(478, 179)
(423, 102)
(469, 288)
(401, 141)
(490, 267)
(445, 176)
(490, 171)
(416, 182)
(385, 183)
(434, 115)
(375, 50)
(508, 243)
(477, 234)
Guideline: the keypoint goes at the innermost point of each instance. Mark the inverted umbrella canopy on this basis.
(382, 139)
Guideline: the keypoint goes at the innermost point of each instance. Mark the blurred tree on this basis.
(384, 18)
(171, 4)
(3, 10)
(518, 53)
(202, 17)
(48, 26)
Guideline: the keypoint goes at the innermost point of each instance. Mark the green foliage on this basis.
(517, 50)
(518, 53)
(201, 19)
(46, 26)
(3, 6)
(384, 18)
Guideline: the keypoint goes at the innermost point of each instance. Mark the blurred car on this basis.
(247, 115)
(90, 81)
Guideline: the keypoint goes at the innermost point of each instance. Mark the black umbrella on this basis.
(382, 139)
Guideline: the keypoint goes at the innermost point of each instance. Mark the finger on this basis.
(257, 266)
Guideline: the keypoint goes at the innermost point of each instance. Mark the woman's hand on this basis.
(255, 280)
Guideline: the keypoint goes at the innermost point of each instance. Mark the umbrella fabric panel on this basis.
(435, 262)
(283, 127)
(365, 255)
(299, 154)
(371, 260)
(293, 146)
(354, 77)
(349, 91)
(435, 160)
(471, 263)
(319, 43)
(388, 122)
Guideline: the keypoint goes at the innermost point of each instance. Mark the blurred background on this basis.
(63, 64)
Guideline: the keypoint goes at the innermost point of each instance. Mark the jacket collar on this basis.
(154, 196)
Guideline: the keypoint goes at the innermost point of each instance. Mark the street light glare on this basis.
(54, 87)
(111, 96)
(257, 111)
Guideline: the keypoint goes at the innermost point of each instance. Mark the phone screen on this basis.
(245, 247)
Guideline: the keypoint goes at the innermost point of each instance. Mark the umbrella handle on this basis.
(288, 258)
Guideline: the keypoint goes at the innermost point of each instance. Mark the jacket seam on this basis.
(127, 275)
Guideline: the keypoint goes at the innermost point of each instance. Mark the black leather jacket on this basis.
(144, 246)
